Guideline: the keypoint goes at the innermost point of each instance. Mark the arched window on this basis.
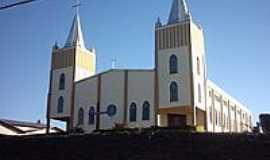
(199, 93)
(62, 82)
(216, 117)
(198, 66)
(81, 116)
(173, 64)
(133, 112)
(91, 118)
(146, 111)
(173, 92)
(60, 104)
(210, 114)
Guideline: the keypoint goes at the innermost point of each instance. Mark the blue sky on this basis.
(236, 35)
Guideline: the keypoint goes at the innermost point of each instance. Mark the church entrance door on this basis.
(176, 120)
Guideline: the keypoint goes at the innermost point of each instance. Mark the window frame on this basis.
(91, 116)
(216, 117)
(146, 111)
(198, 66)
(62, 81)
(173, 64)
(81, 116)
(210, 114)
(199, 93)
(133, 112)
(174, 92)
(60, 104)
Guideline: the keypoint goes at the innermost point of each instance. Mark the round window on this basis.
(111, 110)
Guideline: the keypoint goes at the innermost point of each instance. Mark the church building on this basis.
(175, 93)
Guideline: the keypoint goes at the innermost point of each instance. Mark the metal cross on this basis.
(113, 63)
(77, 5)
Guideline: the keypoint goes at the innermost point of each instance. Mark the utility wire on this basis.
(16, 4)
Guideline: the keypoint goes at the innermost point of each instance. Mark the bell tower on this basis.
(180, 68)
(69, 64)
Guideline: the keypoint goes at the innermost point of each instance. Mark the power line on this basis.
(16, 4)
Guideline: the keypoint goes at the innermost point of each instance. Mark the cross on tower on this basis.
(113, 63)
(77, 5)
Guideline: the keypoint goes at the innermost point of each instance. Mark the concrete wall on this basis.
(86, 97)
(182, 78)
(85, 64)
(198, 54)
(112, 92)
(237, 116)
(141, 89)
(66, 93)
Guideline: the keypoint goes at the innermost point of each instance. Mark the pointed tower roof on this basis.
(158, 23)
(75, 37)
(179, 12)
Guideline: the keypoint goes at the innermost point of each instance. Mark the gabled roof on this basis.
(115, 70)
(26, 128)
(11, 127)
(23, 124)
(75, 37)
(179, 12)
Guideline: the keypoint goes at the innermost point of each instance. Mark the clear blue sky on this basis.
(236, 33)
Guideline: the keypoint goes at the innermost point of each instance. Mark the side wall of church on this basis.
(141, 90)
(120, 88)
(86, 97)
(225, 114)
(112, 93)
(198, 63)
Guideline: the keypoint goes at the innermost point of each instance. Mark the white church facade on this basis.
(175, 93)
